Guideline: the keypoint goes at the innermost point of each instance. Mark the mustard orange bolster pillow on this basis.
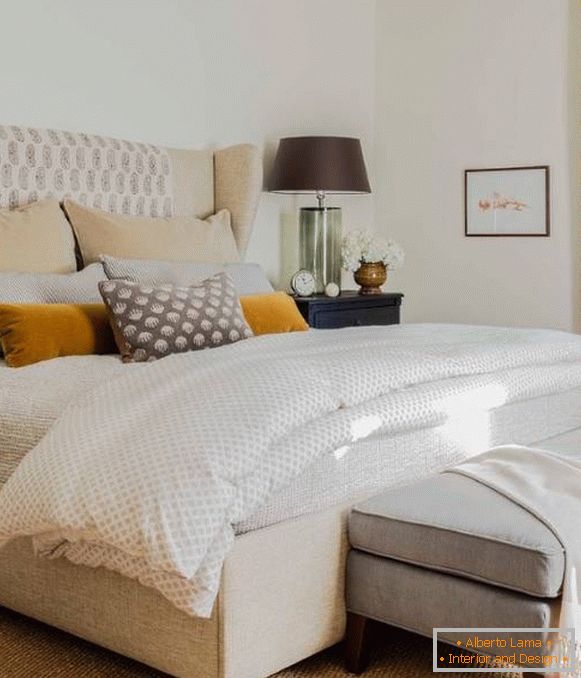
(30, 333)
(272, 313)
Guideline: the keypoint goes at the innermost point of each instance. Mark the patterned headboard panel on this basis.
(110, 174)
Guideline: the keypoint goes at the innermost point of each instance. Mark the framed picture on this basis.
(507, 201)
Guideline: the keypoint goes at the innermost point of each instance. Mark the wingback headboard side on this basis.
(229, 178)
(237, 187)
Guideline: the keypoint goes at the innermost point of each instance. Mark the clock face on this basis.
(303, 283)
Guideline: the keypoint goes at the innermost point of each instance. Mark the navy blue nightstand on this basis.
(350, 309)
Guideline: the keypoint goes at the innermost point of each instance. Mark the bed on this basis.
(281, 589)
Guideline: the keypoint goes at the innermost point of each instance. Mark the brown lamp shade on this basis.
(311, 164)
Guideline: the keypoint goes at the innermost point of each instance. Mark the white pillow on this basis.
(247, 278)
(52, 288)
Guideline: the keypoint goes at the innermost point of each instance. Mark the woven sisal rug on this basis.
(29, 649)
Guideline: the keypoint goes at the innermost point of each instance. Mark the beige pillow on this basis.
(36, 238)
(169, 238)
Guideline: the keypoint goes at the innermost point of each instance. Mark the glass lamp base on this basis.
(320, 244)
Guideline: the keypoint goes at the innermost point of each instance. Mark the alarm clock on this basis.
(303, 283)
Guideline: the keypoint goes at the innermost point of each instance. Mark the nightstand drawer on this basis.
(350, 309)
(356, 317)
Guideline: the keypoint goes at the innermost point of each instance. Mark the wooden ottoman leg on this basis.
(356, 643)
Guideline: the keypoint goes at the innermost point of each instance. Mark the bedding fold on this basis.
(147, 473)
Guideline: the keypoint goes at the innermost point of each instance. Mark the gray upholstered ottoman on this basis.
(448, 552)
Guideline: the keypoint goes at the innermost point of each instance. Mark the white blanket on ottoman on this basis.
(548, 486)
(147, 473)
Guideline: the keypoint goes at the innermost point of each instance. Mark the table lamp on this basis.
(320, 165)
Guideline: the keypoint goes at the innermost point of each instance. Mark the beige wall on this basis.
(474, 83)
(195, 73)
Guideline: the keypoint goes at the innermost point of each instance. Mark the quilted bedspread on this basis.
(147, 473)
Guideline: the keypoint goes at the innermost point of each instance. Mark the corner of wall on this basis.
(574, 131)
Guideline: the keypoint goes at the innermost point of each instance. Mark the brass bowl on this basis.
(370, 277)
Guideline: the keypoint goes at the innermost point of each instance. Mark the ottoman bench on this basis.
(448, 552)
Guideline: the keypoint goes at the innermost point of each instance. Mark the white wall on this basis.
(575, 149)
(465, 84)
(432, 87)
(194, 73)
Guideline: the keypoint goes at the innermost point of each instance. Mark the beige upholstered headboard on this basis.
(207, 181)
(130, 177)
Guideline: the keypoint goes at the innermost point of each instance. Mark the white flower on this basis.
(394, 256)
(359, 247)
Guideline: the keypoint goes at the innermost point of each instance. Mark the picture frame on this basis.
(507, 202)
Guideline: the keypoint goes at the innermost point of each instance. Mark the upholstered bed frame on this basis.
(282, 591)
(281, 597)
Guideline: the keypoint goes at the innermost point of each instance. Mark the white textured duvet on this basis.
(147, 473)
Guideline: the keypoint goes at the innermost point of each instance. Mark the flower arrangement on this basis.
(359, 248)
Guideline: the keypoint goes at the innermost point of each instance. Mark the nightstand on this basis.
(350, 309)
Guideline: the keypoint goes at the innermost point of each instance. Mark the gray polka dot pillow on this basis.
(153, 321)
